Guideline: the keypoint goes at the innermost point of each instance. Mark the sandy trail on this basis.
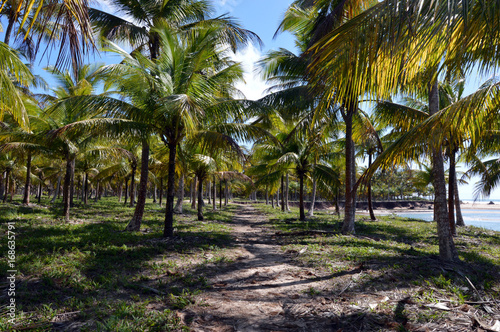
(263, 290)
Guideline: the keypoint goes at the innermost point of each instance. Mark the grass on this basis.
(393, 253)
(112, 280)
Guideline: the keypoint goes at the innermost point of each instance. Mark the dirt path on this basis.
(263, 290)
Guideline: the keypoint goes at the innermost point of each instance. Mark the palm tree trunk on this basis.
(72, 183)
(200, 198)
(180, 196)
(7, 174)
(97, 191)
(215, 196)
(161, 191)
(337, 208)
(287, 208)
(56, 192)
(193, 192)
(310, 213)
(86, 190)
(451, 192)
(447, 250)
(350, 194)
(126, 192)
(282, 193)
(132, 186)
(267, 194)
(2, 188)
(460, 219)
(135, 224)
(67, 187)
(301, 197)
(220, 194)
(370, 205)
(169, 210)
(40, 191)
(209, 192)
(26, 198)
(120, 192)
(154, 192)
(8, 30)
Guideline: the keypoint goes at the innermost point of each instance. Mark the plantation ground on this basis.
(247, 268)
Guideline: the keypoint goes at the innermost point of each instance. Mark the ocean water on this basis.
(489, 219)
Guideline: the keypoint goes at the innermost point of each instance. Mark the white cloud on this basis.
(226, 5)
(254, 86)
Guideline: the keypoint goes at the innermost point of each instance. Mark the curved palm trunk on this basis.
(135, 223)
(267, 194)
(451, 192)
(200, 198)
(67, 187)
(8, 30)
(447, 250)
(7, 175)
(370, 205)
(301, 197)
(169, 211)
(310, 213)
(350, 193)
(26, 198)
(460, 219)
(209, 192)
(180, 196)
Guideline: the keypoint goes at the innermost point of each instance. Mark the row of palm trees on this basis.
(174, 94)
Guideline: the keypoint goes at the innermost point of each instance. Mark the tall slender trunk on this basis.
(180, 196)
(86, 188)
(200, 198)
(460, 219)
(132, 185)
(40, 191)
(154, 192)
(451, 192)
(7, 174)
(193, 192)
(26, 198)
(337, 207)
(283, 193)
(267, 194)
(350, 193)
(310, 213)
(447, 250)
(209, 192)
(120, 192)
(169, 210)
(126, 192)
(287, 207)
(56, 192)
(214, 205)
(161, 190)
(135, 223)
(8, 30)
(370, 205)
(301, 197)
(67, 187)
(272, 201)
(220, 194)
(97, 191)
(72, 183)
